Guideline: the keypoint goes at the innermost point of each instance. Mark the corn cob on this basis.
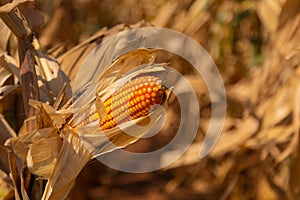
(131, 101)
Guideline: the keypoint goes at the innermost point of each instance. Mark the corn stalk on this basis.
(13, 15)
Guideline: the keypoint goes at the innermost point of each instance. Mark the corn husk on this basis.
(72, 157)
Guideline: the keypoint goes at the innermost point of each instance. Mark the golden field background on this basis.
(255, 45)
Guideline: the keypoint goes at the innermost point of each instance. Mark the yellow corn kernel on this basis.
(133, 100)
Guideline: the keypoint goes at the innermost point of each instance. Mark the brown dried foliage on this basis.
(255, 44)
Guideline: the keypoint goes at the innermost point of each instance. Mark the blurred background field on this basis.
(254, 43)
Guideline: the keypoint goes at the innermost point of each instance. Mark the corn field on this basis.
(56, 104)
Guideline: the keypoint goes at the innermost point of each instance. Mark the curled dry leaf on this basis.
(43, 154)
(22, 143)
(49, 117)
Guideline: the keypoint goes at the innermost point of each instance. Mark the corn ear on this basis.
(131, 101)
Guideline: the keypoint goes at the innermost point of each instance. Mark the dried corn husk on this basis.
(72, 157)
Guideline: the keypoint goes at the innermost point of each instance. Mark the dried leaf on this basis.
(276, 135)
(51, 78)
(232, 140)
(229, 141)
(286, 40)
(265, 190)
(15, 175)
(25, 181)
(50, 115)
(6, 131)
(72, 60)
(165, 13)
(269, 12)
(4, 72)
(112, 62)
(12, 64)
(42, 156)
(5, 34)
(101, 77)
(295, 179)
(281, 104)
(72, 158)
(21, 144)
(7, 89)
